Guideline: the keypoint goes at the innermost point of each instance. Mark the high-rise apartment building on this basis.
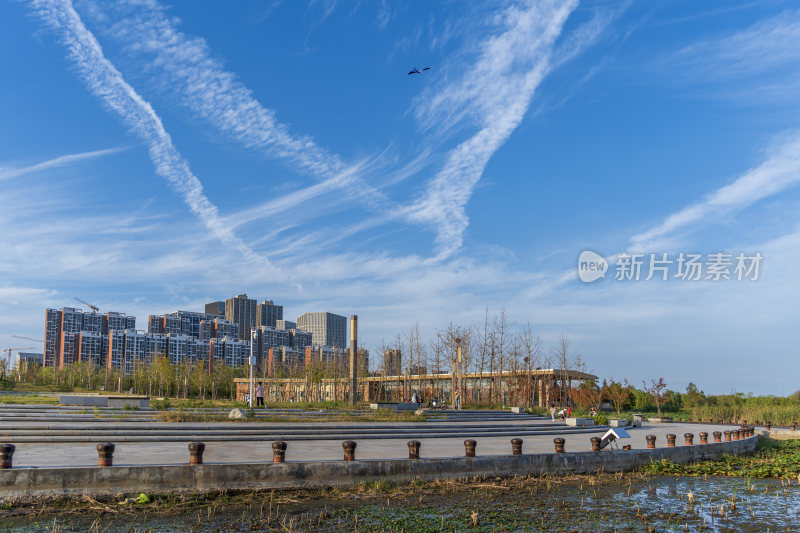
(241, 310)
(155, 324)
(283, 359)
(52, 336)
(326, 329)
(363, 362)
(299, 339)
(392, 362)
(62, 329)
(285, 324)
(118, 322)
(111, 339)
(226, 328)
(268, 314)
(190, 321)
(215, 308)
(90, 347)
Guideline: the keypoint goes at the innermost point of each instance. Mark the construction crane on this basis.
(94, 307)
(27, 338)
(8, 355)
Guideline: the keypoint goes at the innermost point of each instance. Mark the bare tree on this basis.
(416, 354)
(451, 339)
(532, 348)
(438, 362)
(658, 391)
(560, 355)
(501, 326)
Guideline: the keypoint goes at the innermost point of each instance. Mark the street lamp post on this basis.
(460, 374)
(252, 362)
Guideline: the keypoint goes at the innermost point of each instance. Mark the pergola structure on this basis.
(540, 387)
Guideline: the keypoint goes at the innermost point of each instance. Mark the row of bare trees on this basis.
(498, 354)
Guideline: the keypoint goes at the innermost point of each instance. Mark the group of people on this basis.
(563, 413)
(566, 412)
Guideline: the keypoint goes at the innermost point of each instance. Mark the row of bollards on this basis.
(105, 450)
(730, 435)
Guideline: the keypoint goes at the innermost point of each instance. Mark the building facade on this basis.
(241, 310)
(26, 358)
(392, 362)
(111, 340)
(215, 308)
(327, 329)
(63, 328)
(285, 324)
(268, 314)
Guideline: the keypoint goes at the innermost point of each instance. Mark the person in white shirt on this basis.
(260, 395)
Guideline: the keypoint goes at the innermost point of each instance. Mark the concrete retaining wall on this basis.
(83, 400)
(23, 484)
(140, 402)
(782, 434)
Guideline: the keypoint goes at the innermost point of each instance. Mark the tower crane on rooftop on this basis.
(27, 338)
(94, 307)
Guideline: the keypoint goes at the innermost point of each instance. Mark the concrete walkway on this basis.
(156, 452)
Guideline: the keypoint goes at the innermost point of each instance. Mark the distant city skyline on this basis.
(158, 156)
(112, 340)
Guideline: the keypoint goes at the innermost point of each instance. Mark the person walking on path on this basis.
(553, 412)
(260, 395)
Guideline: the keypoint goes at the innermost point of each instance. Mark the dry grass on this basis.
(343, 416)
(29, 400)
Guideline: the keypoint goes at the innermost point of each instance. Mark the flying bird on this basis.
(418, 71)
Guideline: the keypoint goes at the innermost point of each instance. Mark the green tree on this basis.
(618, 393)
(694, 397)
(162, 373)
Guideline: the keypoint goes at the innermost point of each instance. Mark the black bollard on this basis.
(349, 450)
(469, 447)
(6, 455)
(279, 451)
(413, 449)
(105, 454)
(196, 450)
(516, 446)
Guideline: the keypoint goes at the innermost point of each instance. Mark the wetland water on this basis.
(583, 503)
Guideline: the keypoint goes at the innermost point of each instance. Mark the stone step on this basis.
(286, 436)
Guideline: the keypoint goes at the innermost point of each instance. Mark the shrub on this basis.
(160, 405)
(601, 419)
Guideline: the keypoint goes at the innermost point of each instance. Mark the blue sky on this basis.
(160, 156)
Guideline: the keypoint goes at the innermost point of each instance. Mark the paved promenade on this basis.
(166, 443)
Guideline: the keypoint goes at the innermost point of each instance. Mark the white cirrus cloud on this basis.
(769, 44)
(7, 173)
(779, 171)
(494, 93)
(185, 66)
(108, 85)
